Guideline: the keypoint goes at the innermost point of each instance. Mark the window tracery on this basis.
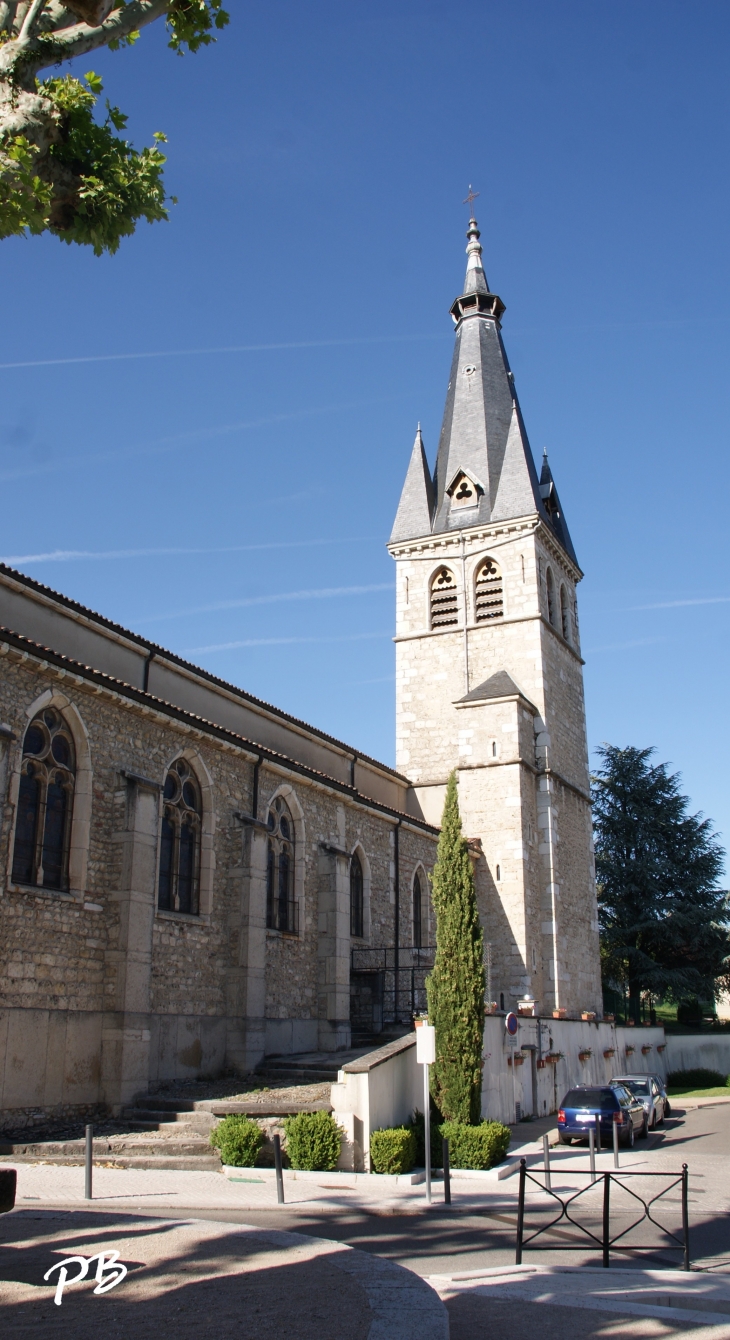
(45, 803)
(444, 599)
(179, 878)
(565, 614)
(357, 900)
(281, 909)
(489, 591)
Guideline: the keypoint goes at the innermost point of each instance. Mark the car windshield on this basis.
(640, 1087)
(601, 1098)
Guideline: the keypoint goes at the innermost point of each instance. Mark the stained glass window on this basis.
(45, 804)
(179, 877)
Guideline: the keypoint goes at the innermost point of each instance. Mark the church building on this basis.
(192, 879)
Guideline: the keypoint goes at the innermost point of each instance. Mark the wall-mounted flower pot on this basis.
(560, 1014)
(609, 1052)
(584, 1056)
(588, 1016)
(609, 1018)
(662, 1047)
(630, 1051)
(519, 1060)
(646, 1050)
(552, 1058)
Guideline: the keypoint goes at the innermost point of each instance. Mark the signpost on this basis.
(425, 1056)
(511, 1026)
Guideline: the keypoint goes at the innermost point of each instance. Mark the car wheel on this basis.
(644, 1128)
(667, 1110)
(654, 1122)
(629, 1141)
(565, 1139)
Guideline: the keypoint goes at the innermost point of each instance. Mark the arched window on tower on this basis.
(444, 599)
(565, 614)
(489, 595)
(45, 803)
(357, 901)
(281, 909)
(550, 583)
(417, 912)
(179, 880)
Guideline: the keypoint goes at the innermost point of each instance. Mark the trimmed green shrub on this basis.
(696, 1079)
(239, 1140)
(393, 1149)
(313, 1141)
(417, 1125)
(475, 1146)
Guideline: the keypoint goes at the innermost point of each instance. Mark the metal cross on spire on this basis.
(472, 196)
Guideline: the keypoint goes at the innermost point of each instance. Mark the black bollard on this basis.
(88, 1161)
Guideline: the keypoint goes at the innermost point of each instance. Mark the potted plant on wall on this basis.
(585, 1054)
(588, 1016)
(609, 1052)
(630, 1050)
(560, 1013)
(646, 1049)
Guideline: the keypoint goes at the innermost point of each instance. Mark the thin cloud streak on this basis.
(72, 555)
(223, 349)
(676, 604)
(324, 593)
(283, 642)
(172, 443)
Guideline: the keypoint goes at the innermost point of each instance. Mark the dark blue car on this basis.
(612, 1103)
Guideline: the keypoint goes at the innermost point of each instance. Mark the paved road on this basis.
(443, 1239)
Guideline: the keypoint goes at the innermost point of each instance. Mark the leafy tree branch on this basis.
(61, 169)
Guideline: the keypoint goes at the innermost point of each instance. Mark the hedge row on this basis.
(312, 1141)
(396, 1149)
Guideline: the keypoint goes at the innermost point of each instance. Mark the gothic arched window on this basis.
(489, 596)
(565, 614)
(550, 583)
(417, 912)
(45, 803)
(357, 901)
(280, 906)
(179, 881)
(444, 599)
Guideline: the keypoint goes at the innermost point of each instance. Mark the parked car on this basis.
(611, 1103)
(650, 1090)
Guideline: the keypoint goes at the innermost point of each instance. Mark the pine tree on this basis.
(456, 985)
(664, 923)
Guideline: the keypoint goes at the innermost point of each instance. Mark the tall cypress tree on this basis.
(456, 985)
(664, 923)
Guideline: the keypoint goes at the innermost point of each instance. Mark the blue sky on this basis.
(243, 483)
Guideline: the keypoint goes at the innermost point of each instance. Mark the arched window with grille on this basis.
(417, 912)
(45, 803)
(281, 909)
(357, 897)
(550, 583)
(179, 879)
(444, 599)
(488, 593)
(565, 614)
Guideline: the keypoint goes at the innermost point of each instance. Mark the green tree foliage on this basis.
(63, 168)
(664, 923)
(456, 985)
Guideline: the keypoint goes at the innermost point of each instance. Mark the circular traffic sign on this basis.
(511, 1024)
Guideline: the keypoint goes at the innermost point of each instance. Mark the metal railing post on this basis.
(615, 1144)
(520, 1213)
(546, 1161)
(447, 1172)
(88, 1162)
(685, 1214)
(592, 1152)
(279, 1173)
(606, 1218)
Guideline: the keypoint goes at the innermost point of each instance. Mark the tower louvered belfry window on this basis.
(550, 583)
(179, 879)
(489, 595)
(444, 599)
(565, 614)
(357, 897)
(45, 803)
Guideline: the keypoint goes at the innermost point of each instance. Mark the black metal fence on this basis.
(587, 1240)
(388, 986)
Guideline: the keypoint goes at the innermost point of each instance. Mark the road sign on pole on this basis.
(425, 1056)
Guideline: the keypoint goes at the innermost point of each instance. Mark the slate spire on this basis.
(484, 469)
(413, 518)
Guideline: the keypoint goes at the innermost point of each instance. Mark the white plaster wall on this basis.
(690, 1050)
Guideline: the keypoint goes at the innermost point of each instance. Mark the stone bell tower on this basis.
(489, 675)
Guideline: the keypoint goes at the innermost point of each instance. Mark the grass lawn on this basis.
(723, 1092)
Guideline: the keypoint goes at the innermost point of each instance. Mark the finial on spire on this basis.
(472, 196)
